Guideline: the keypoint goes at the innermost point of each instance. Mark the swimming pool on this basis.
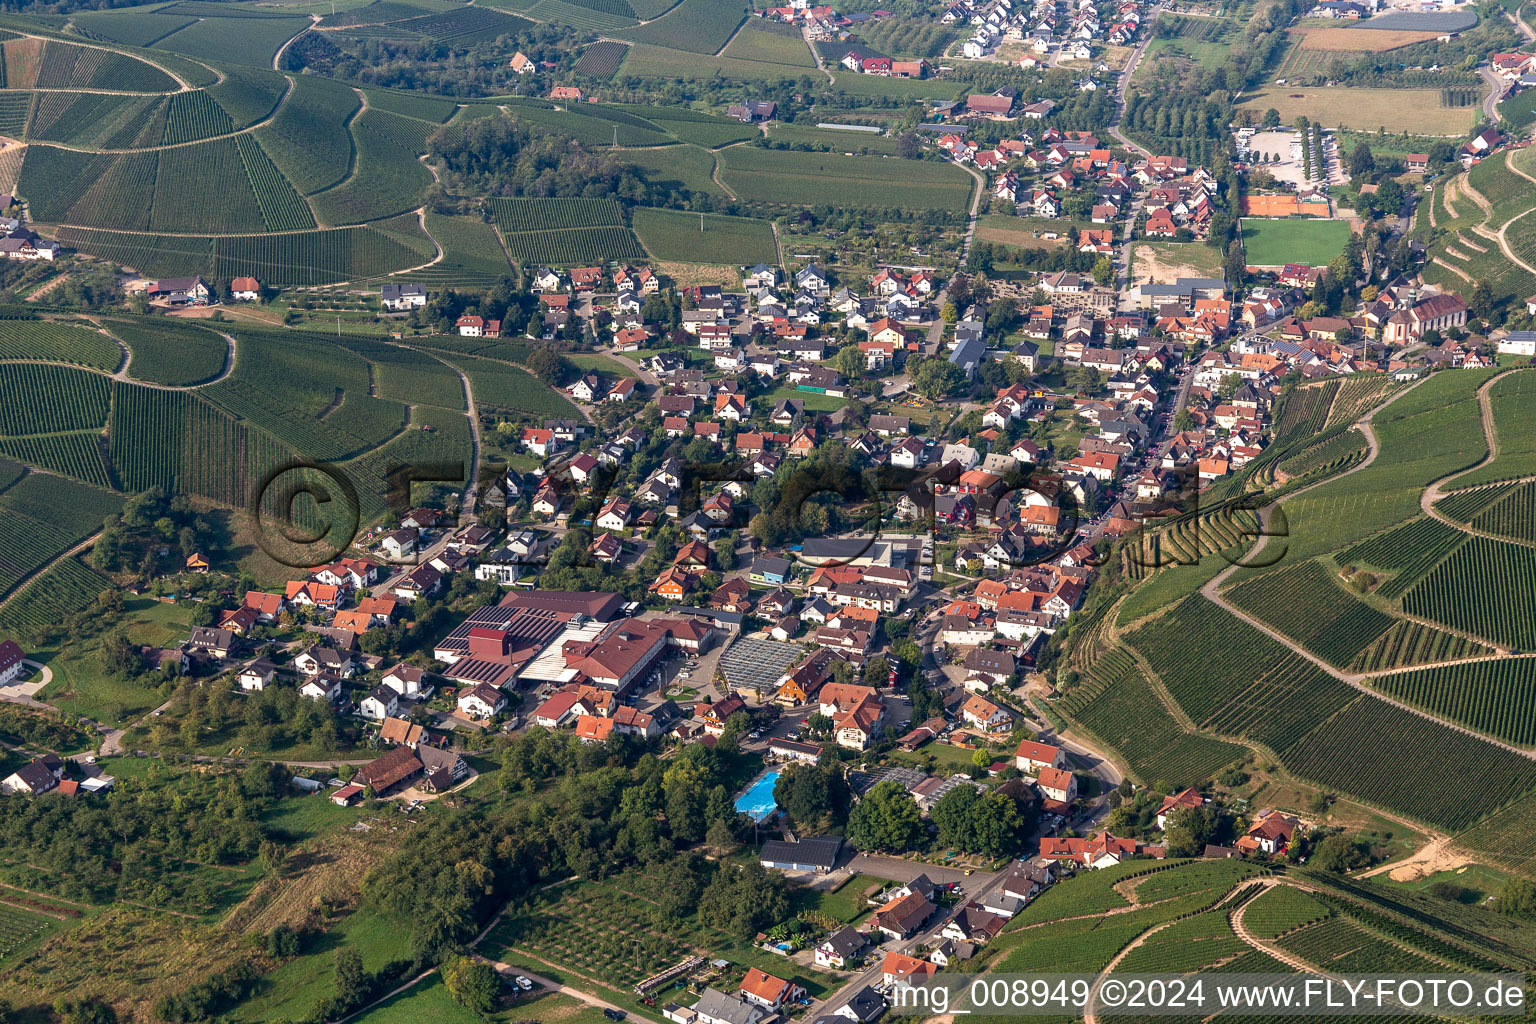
(757, 801)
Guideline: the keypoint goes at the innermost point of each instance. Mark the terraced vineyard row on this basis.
(1378, 751)
(515, 215)
(1118, 706)
(1512, 516)
(49, 600)
(1493, 697)
(1483, 588)
(1414, 643)
(1281, 909)
(1305, 604)
(76, 454)
(1464, 506)
(1331, 456)
(1257, 689)
(38, 339)
(281, 207)
(60, 398)
(1358, 394)
(1410, 550)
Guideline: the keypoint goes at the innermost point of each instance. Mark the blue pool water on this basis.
(758, 801)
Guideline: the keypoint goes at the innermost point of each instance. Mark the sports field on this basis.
(1274, 243)
(1419, 111)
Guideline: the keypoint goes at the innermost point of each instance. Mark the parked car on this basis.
(523, 983)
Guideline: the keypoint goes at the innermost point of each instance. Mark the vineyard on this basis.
(574, 246)
(39, 339)
(1334, 455)
(1506, 837)
(409, 375)
(174, 440)
(1305, 410)
(77, 454)
(1358, 393)
(48, 516)
(412, 104)
(1305, 604)
(280, 206)
(18, 927)
(249, 94)
(308, 139)
(67, 66)
(1190, 539)
(1282, 909)
(194, 115)
(1187, 945)
(58, 398)
(156, 256)
(518, 215)
(1465, 506)
(1493, 696)
(465, 25)
(1482, 588)
(1514, 428)
(1259, 690)
(472, 254)
(1410, 551)
(806, 179)
(603, 938)
(1379, 751)
(171, 352)
(63, 590)
(1414, 643)
(501, 387)
(1513, 516)
(1118, 706)
(313, 257)
(386, 178)
(601, 60)
(1338, 944)
(251, 41)
(705, 238)
(699, 26)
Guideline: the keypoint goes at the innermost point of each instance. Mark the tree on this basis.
(886, 819)
(472, 983)
(744, 900)
(937, 378)
(849, 361)
(118, 654)
(1190, 830)
(547, 365)
(1103, 270)
(949, 313)
(909, 146)
(1340, 854)
(1360, 160)
(1183, 420)
(813, 795)
(1482, 300)
(351, 982)
(1517, 898)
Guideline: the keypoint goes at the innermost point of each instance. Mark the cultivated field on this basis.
(1420, 111)
(1355, 40)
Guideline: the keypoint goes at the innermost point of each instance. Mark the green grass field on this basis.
(1273, 243)
(675, 235)
(808, 179)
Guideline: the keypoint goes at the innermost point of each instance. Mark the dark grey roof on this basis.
(819, 851)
